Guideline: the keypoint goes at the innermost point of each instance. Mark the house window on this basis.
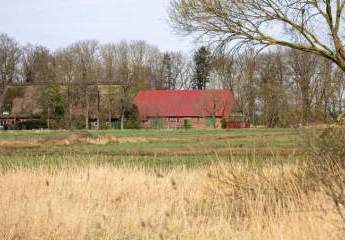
(94, 124)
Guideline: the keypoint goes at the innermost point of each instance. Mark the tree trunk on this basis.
(69, 101)
(122, 120)
(48, 118)
(70, 115)
(305, 109)
(98, 109)
(86, 111)
(305, 91)
(110, 115)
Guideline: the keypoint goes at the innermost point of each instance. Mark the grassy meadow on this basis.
(147, 148)
(151, 184)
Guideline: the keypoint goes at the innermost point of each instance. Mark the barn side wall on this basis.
(179, 123)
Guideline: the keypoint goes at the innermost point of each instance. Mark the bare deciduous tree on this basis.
(37, 64)
(87, 65)
(223, 72)
(9, 60)
(304, 74)
(272, 90)
(247, 86)
(314, 26)
(66, 72)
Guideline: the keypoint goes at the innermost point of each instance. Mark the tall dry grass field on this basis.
(218, 202)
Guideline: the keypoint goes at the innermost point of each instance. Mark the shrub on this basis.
(341, 119)
(324, 166)
(78, 122)
(133, 119)
(248, 191)
(28, 125)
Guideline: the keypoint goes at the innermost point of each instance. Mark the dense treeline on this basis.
(89, 61)
(132, 66)
(283, 87)
(277, 87)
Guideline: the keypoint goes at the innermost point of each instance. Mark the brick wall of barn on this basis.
(178, 123)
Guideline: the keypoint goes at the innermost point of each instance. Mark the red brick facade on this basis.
(179, 123)
(185, 108)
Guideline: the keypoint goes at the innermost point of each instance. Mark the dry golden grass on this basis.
(75, 139)
(219, 202)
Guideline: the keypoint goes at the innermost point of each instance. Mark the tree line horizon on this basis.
(277, 87)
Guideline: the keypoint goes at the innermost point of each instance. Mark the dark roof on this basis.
(24, 101)
(184, 103)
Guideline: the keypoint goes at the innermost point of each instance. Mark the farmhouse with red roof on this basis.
(184, 108)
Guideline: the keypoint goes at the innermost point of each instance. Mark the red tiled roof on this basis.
(184, 103)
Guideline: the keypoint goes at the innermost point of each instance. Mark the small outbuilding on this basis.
(184, 108)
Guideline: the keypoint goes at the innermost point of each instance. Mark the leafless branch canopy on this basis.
(314, 26)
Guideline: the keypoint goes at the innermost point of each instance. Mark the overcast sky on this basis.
(58, 23)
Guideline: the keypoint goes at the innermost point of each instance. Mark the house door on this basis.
(210, 122)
